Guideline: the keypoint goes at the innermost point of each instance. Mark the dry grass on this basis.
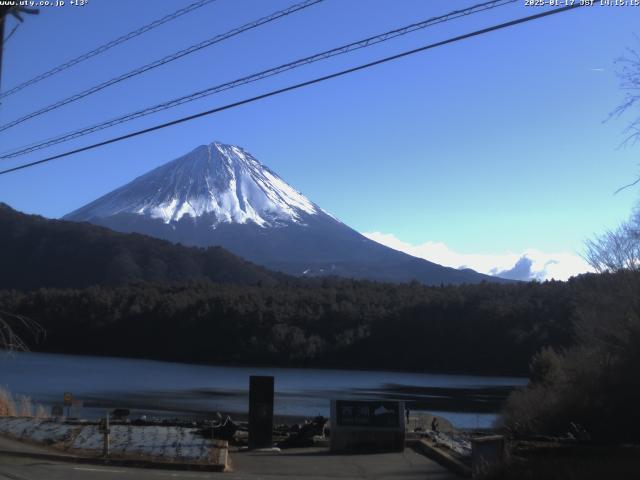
(25, 408)
(7, 404)
(41, 412)
(19, 406)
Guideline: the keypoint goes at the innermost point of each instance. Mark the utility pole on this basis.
(15, 11)
(107, 431)
(3, 15)
(104, 428)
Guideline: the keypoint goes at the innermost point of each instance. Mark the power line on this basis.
(13, 30)
(257, 76)
(297, 86)
(103, 48)
(169, 58)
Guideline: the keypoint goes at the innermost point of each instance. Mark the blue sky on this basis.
(492, 147)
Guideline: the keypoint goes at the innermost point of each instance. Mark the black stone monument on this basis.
(260, 412)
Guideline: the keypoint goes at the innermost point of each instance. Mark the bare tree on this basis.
(10, 324)
(629, 75)
(617, 249)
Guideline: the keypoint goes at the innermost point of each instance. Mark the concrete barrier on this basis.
(487, 454)
(440, 455)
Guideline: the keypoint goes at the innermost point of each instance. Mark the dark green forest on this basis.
(484, 328)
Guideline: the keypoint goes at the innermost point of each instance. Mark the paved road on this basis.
(319, 464)
(311, 464)
(19, 468)
(406, 466)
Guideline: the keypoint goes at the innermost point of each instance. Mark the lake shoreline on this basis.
(474, 373)
(168, 389)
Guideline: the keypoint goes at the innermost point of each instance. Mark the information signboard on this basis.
(354, 413)
(367, 425)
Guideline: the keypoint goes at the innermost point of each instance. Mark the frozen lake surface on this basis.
(169, 389)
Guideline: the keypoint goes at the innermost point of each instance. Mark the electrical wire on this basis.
(103, 48)
(13, 30)
(298, 86)
(383, 37)
(163, 61)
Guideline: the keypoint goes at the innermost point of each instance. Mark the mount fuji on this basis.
(220, 194)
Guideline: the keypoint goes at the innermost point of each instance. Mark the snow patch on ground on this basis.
(153, 441)
(168, 443)
(36, 430)
(454, 441)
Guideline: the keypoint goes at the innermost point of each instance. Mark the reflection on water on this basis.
(174, 388)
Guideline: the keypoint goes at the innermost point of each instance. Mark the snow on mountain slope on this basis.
(217, 179)
(221, 195)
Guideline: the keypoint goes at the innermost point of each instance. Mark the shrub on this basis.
(591, 389)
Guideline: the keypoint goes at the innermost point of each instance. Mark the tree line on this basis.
(484, 328)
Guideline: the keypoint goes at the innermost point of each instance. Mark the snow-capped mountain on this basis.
(221, 195)
(221, 180)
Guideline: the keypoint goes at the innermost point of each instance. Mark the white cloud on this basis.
(526, 265)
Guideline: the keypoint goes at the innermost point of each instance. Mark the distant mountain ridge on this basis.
(37, 252)
(220, 194)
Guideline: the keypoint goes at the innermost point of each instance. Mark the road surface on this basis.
(312, 464)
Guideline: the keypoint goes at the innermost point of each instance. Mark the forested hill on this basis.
(37, 252)
(484, 328)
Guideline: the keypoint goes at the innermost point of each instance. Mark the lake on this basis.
(178, 389)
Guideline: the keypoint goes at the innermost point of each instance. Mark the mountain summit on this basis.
(223, 182)
(221, 195)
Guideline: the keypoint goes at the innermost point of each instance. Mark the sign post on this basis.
(104, 428)
(68, 401)
(260, 412)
